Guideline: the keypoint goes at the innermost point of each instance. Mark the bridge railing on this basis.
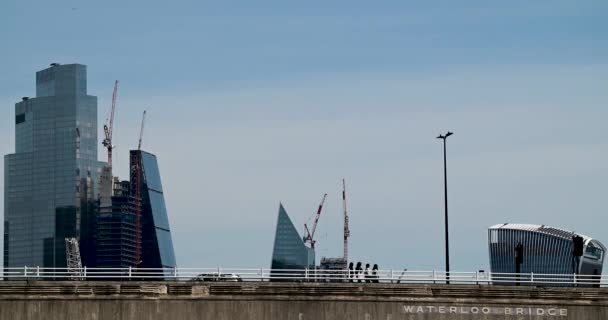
(220, 274)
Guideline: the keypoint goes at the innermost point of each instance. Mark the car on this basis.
(218, 277)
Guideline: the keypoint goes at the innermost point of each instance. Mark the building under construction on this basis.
(116, 234)
(123, 240)
(292, 252)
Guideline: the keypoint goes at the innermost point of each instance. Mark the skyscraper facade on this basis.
(115, 236)
(289, 250)
(51, 178)
(545, 251)
(156, 242)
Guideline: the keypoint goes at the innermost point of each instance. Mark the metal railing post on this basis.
(130, 272)
(531, 276)
(38, 272)
(175, 273)
(25, 271)
(477, 277)
(392, 275)
(434, 279)
(261, 274)
(574, 278)
(85, 272)
(306, 273)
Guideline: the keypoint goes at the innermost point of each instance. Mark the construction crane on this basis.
(108, 127)
(346, 229)
(310, 235)
(141, 131)
(138, 183)
(74, 261)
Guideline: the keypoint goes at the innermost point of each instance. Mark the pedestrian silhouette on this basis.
(375, 274)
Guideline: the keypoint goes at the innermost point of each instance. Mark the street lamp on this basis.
(445, 183)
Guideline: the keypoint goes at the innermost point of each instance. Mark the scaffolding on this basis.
(74, 262)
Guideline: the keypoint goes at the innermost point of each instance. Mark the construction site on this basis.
(132, 217)
(292, 252)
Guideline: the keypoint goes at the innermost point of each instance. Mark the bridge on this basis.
(249, 300)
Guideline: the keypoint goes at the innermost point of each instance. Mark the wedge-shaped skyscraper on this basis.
(157, 245)
(289, 251)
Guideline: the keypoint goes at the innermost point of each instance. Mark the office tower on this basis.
(544, 250)
(156, 243)
(289, 250)
(50, 180)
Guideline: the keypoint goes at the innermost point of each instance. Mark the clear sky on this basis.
(255, 102)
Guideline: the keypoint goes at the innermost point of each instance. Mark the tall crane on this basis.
(138, 183)
(346, 229)
(310, 235)
(108, 127)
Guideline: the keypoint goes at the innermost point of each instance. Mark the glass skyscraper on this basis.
(157, 245)
(50, 180)
(546, 250)
(289, 251)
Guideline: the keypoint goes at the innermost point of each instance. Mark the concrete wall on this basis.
(263, 301)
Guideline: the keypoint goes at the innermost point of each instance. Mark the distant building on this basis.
(156, 245)
(50, 180)
(289, 250)
(546, 250)
(115, 229)
(56, 189)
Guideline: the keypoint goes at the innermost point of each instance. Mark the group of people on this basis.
(359, 274)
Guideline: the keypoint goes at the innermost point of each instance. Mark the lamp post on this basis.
(445, 182)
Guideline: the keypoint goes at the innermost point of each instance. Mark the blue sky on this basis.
(252, 103)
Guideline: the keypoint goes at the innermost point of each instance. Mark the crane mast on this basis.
(107, 128)
(138, 183)
(346, 229)
(310, 235)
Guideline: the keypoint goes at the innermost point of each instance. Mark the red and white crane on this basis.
(108, 127)
(346, 229)
(138, 183)
(310, 235)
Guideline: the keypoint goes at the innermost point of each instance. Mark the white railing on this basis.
(301, 275)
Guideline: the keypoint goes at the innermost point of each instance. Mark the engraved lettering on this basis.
(441, 309)
(453, 309)
(486, 310)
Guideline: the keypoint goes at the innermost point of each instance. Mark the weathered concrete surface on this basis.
(72, 300)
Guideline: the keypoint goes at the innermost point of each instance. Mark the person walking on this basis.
(350, 272)
(375, 274)
(367, 273)
(358, 272)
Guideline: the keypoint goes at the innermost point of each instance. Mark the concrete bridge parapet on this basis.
(101, 300)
